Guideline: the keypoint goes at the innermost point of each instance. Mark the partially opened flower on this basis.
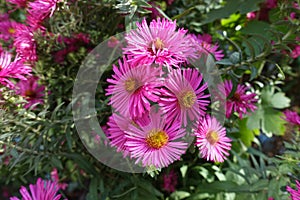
(158, 144)
(133, 87)
(159, 43)
(42, 190)
(240, 102)
(183, 97)
(31, 91)
(212, 140)
(294, 194)
(12, 69)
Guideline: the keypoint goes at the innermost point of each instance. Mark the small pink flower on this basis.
(271, 4)
(294, 194)
(12, 69)
(212, 140)
(55, 178)
(42, 190)
(31, 91)
(170, 180)
(8, 29)
(18, 3)
(251, 15)
(240, 102)
(292, 117)
(296, 52)
(158, 144)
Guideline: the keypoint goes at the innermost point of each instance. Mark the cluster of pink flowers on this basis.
(158, 100)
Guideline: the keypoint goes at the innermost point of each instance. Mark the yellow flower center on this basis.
(157, 138)
(212, 137)
(11, 30)
(131, 84)
(29, 93)
(158, 43)
(187, 99)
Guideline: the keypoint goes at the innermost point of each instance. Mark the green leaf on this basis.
(180, 195)
(183, 170)
(246, 135)
(257, 27)
(272, 122)
(279, 100)
(93, 194)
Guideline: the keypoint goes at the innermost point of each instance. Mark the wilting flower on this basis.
(133, 87)
(212, 140)
(25, 43)
(12, 69)
(159, 43)
(292, 117)
(158, 144)
(31, 91)
(170, 181)
(183, 97)
(42, 190)
(240, 101)
(18, 3)
(118, 125)
(55, 178)
(203, 44)
(294, 194)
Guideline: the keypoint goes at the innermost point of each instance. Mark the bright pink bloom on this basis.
(8, 29)
(118, 125)
(159, 43)
(251, 15)
(294, 194)
(183, 97)
(42, 190)
(8, 69)
(25, 43)
(55, 178)
(158, 144)
(296, 52)
(212, 140)
(271, 4)
(170, 181)
(292, 117)
(202, 44)
(31, 91)
(240, 102)
(132, 88)
(18, 3)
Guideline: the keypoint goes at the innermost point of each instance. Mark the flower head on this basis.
(292, 117)
(132, 88)
(170, 181)
(42, 190)
(159, 43)
(294, 194)
(31, 91)
(12, 69)
(158, 144)
(8, 29)
(240, 101)
(183, 97)
(211, 139)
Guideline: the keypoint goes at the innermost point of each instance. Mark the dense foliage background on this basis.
(261, 46)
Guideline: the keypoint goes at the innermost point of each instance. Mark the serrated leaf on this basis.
(279, 100)
(246, 135)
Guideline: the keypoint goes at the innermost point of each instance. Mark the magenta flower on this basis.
(183, 97)
(294, 194)
(55, 178)
(292, 117)
(158, 144)
(8, 29)
(31, 91)
(132, 88)
(18, 3)
(118, 125)
(203, 44)
(251, 15)
(240, 101)
(211, 140)
(170, 181)
(159, 43)
(296, 52)
(12, 69)
(25, 43)
(42, 190)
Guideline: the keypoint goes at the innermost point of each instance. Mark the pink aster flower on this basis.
(158, 144)
(132, 88)
(159, 43)
(118, 125)
(292, 117)
(55, 178)
(294, 194)
(203, 44)
(183, 97)
(12, 69)
(211, 139)
(8, 29)
(25, 43)
(170, 181)
(42, 190)
(240, 102)
(31, 91)
(296, 52)
(18, 3)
